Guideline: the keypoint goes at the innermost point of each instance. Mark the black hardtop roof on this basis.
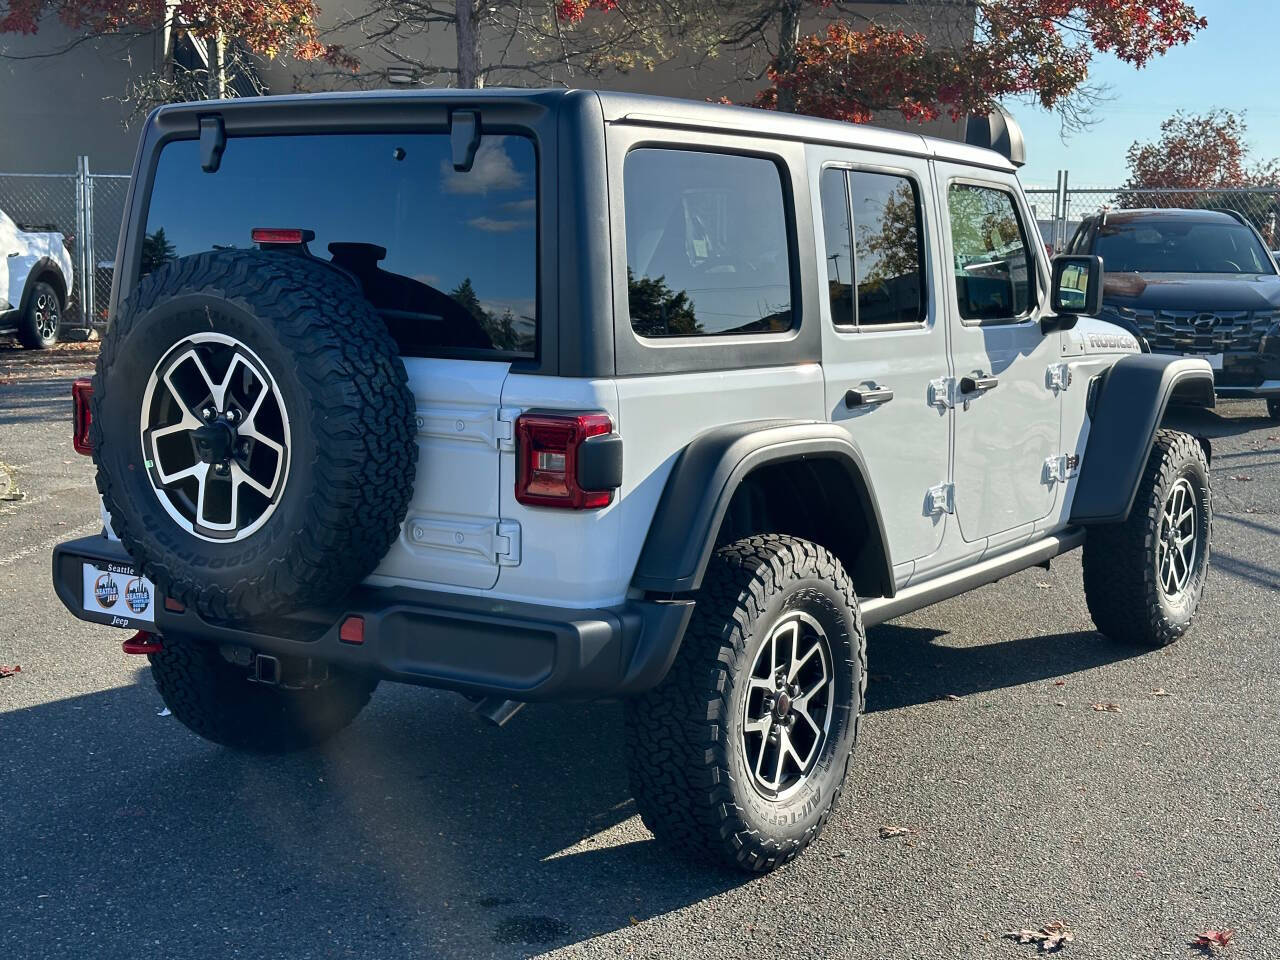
(643, 109)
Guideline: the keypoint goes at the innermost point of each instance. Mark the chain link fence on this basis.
(87, 209)
(1059, 211)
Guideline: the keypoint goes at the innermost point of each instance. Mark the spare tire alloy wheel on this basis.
(215, 437)
(788, 706)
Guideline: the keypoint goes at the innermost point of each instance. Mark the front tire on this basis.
(216, 699)
(1143, 578)
(42, 319)
(740, 754)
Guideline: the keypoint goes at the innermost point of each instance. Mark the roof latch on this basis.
(464, 138)
(213, 140)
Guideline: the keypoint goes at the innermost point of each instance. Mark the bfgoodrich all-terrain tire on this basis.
(740, 753)
(253, 431)
(1143, 578)
(216, 699)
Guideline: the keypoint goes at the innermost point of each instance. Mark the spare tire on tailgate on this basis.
(254, 432)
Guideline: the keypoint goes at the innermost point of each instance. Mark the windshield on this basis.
(1170, 246)
(448, 258)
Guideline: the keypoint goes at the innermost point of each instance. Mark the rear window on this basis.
(707, 244)
(448, 258)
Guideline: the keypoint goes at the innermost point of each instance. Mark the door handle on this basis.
(978, 384)
(868, 397)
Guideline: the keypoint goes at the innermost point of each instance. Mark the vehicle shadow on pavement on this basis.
(419, 830)
(908, 666)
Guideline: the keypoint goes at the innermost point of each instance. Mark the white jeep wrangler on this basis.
(544, 395)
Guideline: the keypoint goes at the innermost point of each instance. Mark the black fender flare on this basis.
(709, 470)
(39, 269)
(1132, 400)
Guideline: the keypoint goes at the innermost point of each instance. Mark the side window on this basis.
(708, 249)
(839, 234)
(886, 226)
(877, 253)
(994, 268)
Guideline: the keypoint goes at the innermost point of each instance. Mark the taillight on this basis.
(82, 416)
(549, 451)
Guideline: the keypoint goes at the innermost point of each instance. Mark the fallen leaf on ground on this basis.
(1107, 707)
(1044, 585)
(1059, 703)
(1059, 683)
(1211, 941)
(166, 712)
(890, 831)
(1161, 692)
(952, 697)
(1243, 478)
(1051, 937)
(9, 671)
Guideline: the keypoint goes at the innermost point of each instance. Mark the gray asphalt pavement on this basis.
(421, 833)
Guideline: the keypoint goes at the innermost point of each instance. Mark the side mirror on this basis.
(1076, 290)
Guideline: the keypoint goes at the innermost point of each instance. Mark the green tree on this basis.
(658, 311)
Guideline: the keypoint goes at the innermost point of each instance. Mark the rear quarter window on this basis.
(448, 258)
(708, 249)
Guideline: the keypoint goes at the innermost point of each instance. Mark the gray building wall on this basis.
(55, 108)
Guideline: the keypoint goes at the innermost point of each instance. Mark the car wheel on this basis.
(42, 319)
(739, 755)
(1273, 408)
(1143, 579)
(216, 699)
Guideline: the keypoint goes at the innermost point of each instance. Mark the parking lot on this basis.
(1015, 769)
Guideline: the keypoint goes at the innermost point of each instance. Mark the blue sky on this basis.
(1233, 64)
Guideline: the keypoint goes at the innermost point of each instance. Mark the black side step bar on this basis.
(876, 610)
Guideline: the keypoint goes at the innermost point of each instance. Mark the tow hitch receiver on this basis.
(142, 642)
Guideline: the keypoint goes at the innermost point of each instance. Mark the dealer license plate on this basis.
(1215, 359)
(115, 594)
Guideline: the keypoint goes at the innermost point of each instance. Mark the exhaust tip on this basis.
(496, 710)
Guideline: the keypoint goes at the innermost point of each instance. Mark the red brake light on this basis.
(547, 448)
(279, 235)
(82, 415)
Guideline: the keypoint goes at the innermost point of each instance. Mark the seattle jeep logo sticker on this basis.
(106, 591)
(137, 596)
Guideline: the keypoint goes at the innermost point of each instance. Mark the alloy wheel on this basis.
(1178, 541)
(788, 705)
(215, 437)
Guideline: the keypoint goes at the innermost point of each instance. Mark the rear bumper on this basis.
(475, 645)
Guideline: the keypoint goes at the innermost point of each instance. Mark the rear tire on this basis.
(215, 698)
(38, 329)
(707, 778)
(1273, 408)
(1143, 578)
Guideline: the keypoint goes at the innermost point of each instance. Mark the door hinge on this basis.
(504, 427)
(1058, 376)
(942, 392)
(941, 499)
(506, 543)
(494, 542)
(1062, 468)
